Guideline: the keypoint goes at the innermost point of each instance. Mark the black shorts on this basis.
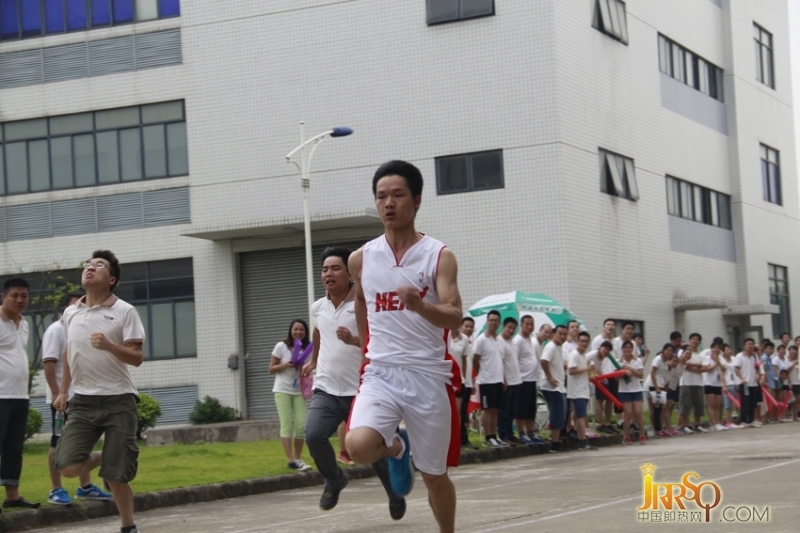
(672, 394)
(759, 395)
(711, 390)
(784, 387)
(613, 387)
(796, 391)
(526, 408)
(492, 395)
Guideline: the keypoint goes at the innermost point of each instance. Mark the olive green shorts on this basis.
(112, 417)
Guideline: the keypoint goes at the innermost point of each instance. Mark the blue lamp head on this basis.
(341, 131)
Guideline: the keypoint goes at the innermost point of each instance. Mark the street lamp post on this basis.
(303, 166)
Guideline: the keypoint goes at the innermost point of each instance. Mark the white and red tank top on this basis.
(398, 336)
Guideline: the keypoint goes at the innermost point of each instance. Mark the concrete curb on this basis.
(52, 515)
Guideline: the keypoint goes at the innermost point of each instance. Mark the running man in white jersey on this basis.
(406, 301)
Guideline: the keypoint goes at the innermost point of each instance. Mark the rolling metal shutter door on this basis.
(176, 403)
(273, 294)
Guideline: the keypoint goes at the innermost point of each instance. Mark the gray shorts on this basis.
(692, 398)
(112, 417)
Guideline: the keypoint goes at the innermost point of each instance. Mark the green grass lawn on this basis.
(169, 467)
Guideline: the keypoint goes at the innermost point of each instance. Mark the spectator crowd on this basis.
(507, 366)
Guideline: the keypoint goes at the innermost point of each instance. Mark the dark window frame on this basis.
(622, 35)
(89, 25)
(764, 47)
(690, 68)
(772, 192)
(459, 17)
(629, 187)
(470, 175)
(94, 132)
(74, 276)
(779, 277)
(703, 213)
(151, 300)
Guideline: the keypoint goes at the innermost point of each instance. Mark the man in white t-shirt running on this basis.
(609, 328)
(461, 350)
(337, 359)
(54, 346)
(407, 299)
(104, 339)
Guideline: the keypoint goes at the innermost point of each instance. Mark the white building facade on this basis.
(632, 160)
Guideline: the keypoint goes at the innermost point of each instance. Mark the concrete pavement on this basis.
(755, 469)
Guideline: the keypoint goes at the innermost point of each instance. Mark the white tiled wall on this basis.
(536, 80)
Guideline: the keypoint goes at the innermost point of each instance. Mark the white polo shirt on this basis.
(528, 362)
(338, 364)
(97, 372)
(554, 355)
(13, 359)
(597, 341)
(54, 342)
(461, 349)
(510, 362)
(578, 384)
(747, 367)
(491, 359)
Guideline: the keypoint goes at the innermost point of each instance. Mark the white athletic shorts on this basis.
(389, 394)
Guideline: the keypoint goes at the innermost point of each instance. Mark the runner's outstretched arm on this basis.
(354, 266)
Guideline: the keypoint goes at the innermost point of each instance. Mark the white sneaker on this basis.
(495, 443)
(753, 425)
(687, 430)
(720, 427)
(303, 466)
(757, 423)
(701, 429)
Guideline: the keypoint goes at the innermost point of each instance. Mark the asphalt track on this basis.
(577, 491)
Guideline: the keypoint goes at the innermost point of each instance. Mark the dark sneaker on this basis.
(131, 529)
(20, 503)
(555, 447)
(469, 446)
(330, 497)
(397, 509)
(401, 474)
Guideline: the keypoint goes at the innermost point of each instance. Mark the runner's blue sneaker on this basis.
(401, 474)
(92, 493)
(59, 497)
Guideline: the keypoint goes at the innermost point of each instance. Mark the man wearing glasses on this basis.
(104, 338)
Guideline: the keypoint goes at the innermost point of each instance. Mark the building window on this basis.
(771, 175)
(22, 19)
(765, 67)
(697, 203)
(163, 293)
(689, 68)
(618, 176)
(439, 11)
(609, 18)
(94, 148)
(477, 171)
(779, 295)
(638, 326)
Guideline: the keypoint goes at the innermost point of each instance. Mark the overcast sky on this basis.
(794, 32)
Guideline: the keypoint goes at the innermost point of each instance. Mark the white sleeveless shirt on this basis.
(398, 336)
